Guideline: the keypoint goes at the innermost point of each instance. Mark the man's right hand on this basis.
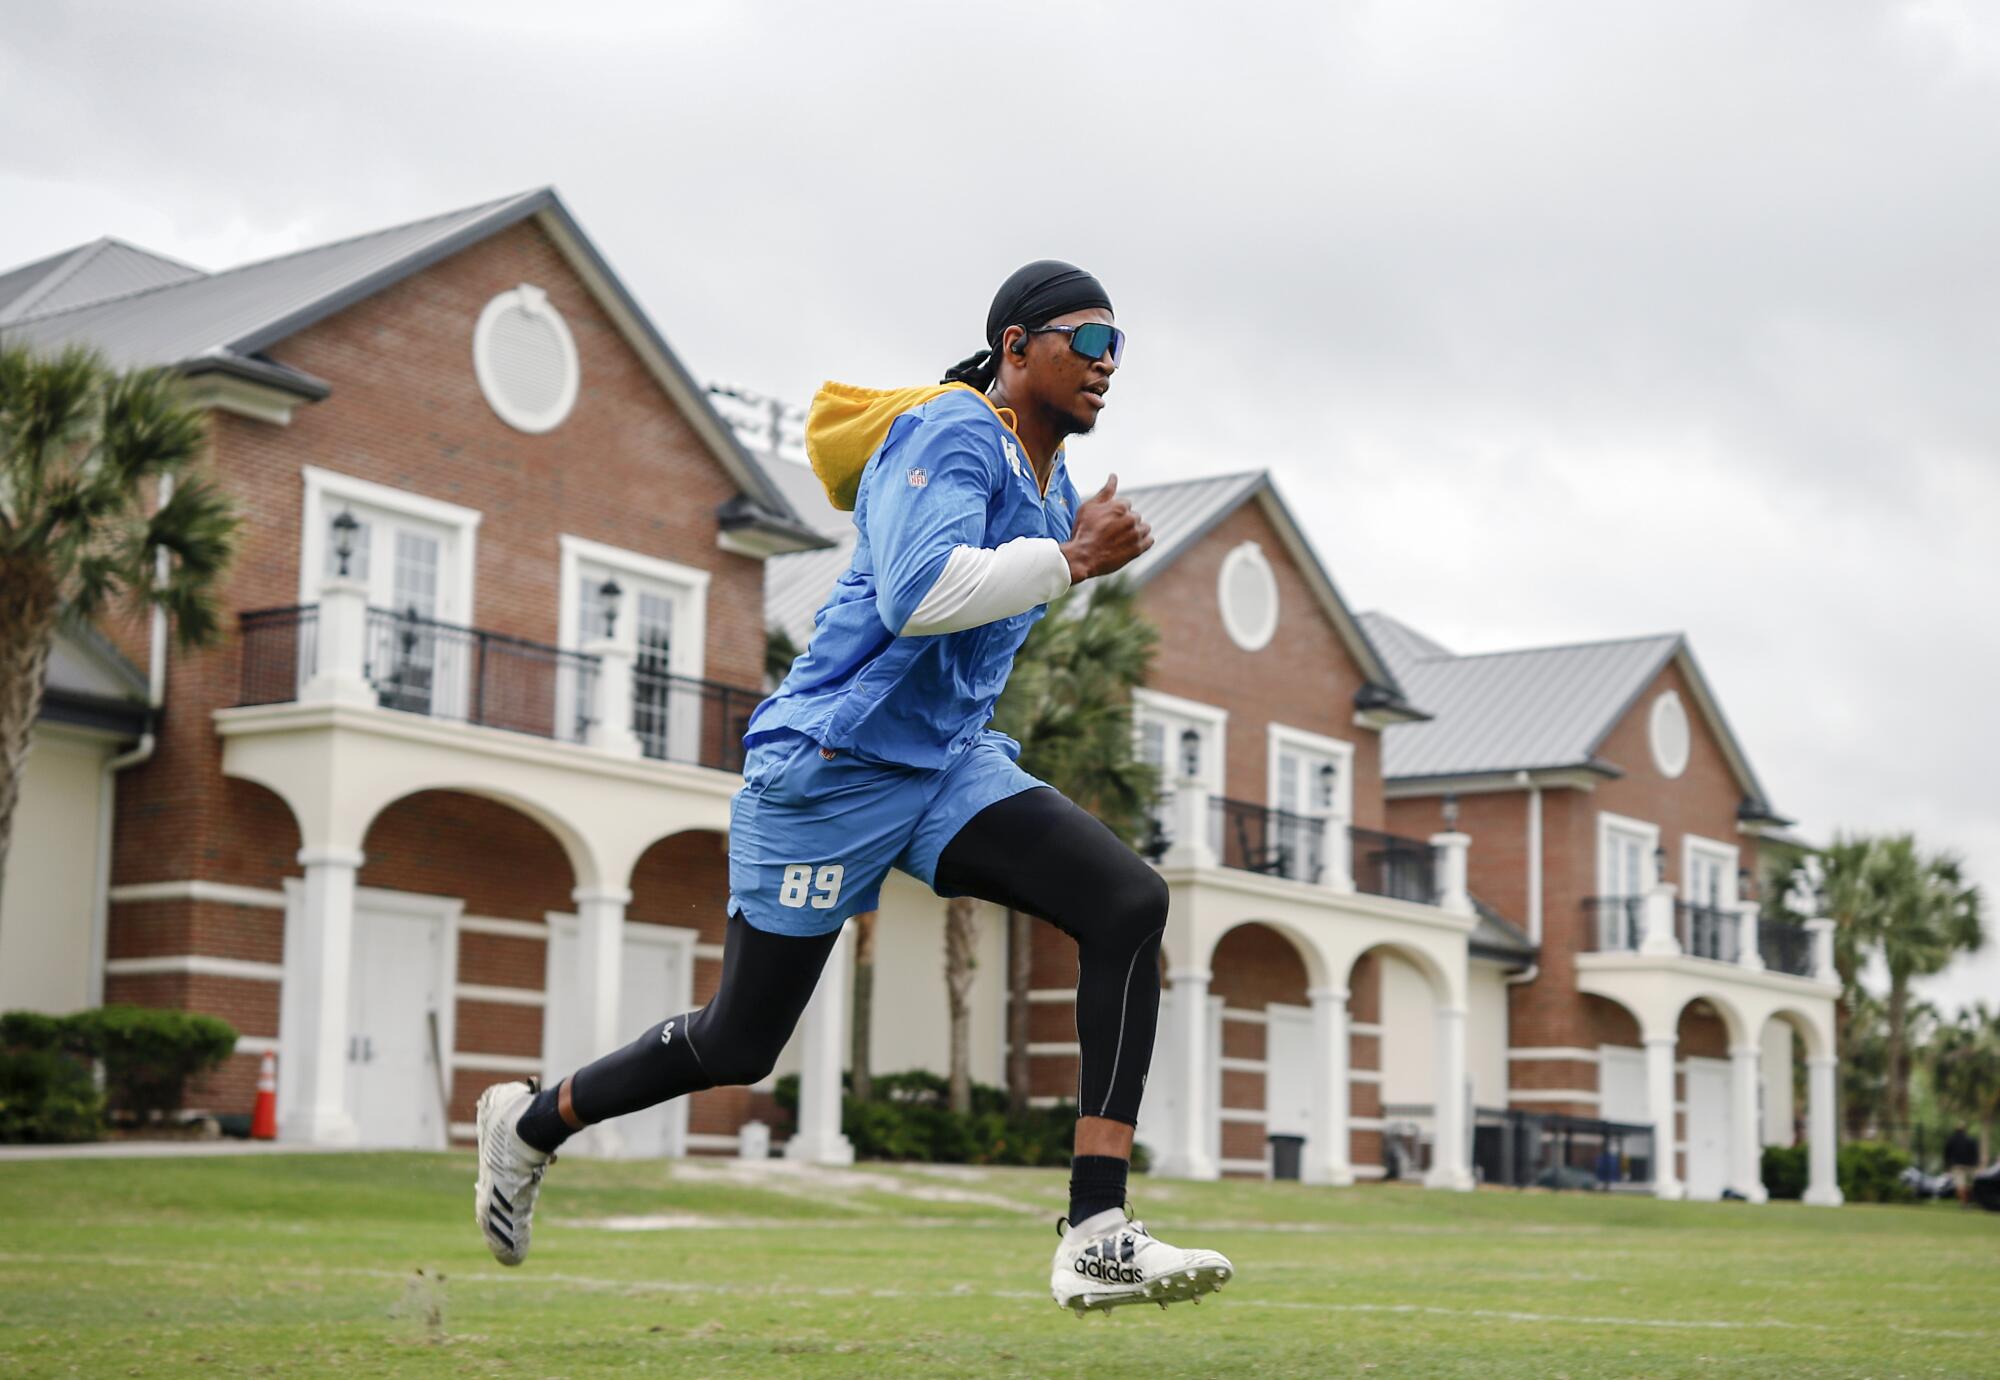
(1107, 535)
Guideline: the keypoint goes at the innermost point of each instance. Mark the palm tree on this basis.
(1917, 912)
(1964, 1059)
(1069, 704)
(80, 447)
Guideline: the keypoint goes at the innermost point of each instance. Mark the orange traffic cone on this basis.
(264, 1119)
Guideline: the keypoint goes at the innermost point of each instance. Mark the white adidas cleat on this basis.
(510, 1172)
(1107, 1262)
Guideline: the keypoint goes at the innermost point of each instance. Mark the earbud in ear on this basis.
(1020, 345)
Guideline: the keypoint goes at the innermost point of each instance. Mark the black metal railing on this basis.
(700, 722)
(1277, 843)
(1400, 868)
(1542, 1150)
(470, 675)
(1614, 924)
(1786, 948)
(280, 651)
(1707, 931)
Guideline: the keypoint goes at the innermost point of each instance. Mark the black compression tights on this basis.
(1034, 852)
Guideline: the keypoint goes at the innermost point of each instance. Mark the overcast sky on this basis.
(1555, 321)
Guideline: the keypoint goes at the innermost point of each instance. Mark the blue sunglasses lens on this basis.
(1093, 339)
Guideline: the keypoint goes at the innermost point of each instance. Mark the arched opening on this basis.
(1706, 1120)
(1261, 1045)
(1786, 1042)
(672, 962)
(448, 979)
(1393, 1002)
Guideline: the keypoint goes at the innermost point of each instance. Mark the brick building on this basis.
(449, 804)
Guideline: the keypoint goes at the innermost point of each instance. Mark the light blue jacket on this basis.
(949, 473)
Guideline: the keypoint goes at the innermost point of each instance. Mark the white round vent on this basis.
(1248, 593)
(1668, 731)
(525, 360)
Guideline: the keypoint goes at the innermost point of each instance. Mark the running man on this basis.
(875, 753)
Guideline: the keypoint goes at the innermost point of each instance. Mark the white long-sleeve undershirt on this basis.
(985, 584)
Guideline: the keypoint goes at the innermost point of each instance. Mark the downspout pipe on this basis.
(141, 753)
(1533, 970)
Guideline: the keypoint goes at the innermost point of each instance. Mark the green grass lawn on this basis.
(308, 1265)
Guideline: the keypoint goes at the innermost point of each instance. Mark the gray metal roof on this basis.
(242, 310)
(1496, 937)
(91, 272)
(1541, 708)
(229, 318)
(1182, 514)
(795, 586)
(1530, 710)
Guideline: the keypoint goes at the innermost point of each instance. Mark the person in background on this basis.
(1961, 1161)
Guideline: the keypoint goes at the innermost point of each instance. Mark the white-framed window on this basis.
(525, 360)
(1708, 873)
(1162, 723)
(1311, 779)
(1247, 592)
(662, 620)
(1624, 873)
(415, 554)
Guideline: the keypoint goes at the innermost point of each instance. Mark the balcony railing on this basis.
(1786, 948)
(1615, 924)
(470, 675)
(1400, 868)
(1277, 843)
(1707, 931)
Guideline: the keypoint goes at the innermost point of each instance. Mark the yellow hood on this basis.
(846, 425)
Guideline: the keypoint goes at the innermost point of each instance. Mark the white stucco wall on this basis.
(1777, 1060)
(1409, 1033)
(1486, 1033)
(46, 907)
(912, 1027)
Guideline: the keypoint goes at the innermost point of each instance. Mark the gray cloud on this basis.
(1554, 320)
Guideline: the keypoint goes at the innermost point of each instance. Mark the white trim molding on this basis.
(196, 965)
(1551, 1095)
(1531, 1053)
(496, 1063)
(505, 996)
(494, 924)
(196, 890)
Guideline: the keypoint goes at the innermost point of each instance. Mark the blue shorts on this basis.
(813, 832)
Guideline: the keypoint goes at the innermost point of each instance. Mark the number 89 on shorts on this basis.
(805, 885)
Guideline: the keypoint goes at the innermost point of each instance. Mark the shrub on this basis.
(149, 1054)
(46, 1097)
(1870, 1172)
(910, 1118)
(1785, 1171)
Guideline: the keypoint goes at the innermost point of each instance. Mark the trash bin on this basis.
(1285, 1154)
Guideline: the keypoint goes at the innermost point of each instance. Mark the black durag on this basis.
(1033, 295)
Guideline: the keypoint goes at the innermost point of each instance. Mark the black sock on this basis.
(542, 1125)
(1096, 1184)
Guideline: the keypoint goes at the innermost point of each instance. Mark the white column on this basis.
(1746, 1156)
(1451, 1159)
(1451, 872)
(1822, 950)
(340, 657)
(319, 952)
(818, 1139)
(1822, 1177)
(611, 708)
(1339, 874)
(1186, 1013)
(1659, 912)
(594, 1030)
(1660, 1102)
(1327, 1140)
(1748, 953)
(1190, 814)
